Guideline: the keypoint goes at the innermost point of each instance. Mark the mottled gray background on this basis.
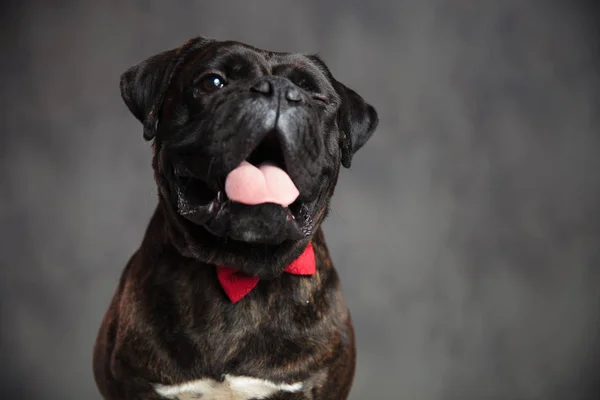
(467, 233)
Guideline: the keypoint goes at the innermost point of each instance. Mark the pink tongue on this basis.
(250, 185)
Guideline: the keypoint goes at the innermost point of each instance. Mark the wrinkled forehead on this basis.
(238, 60)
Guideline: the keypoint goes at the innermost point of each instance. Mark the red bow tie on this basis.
(237, 284)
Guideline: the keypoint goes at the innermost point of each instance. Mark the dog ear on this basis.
(357, 121)
(144, 86)
(141, 86)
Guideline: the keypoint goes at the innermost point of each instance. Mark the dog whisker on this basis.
(209, 168)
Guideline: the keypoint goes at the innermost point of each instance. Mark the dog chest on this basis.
(231, 388)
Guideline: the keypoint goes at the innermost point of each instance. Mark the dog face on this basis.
(247, 147)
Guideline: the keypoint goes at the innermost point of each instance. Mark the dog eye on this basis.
(210, 83)
(303, 83)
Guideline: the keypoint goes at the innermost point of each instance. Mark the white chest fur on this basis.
(232, 388)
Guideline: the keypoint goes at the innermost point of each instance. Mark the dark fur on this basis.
(169, 320)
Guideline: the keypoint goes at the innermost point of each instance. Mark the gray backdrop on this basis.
(466, 233)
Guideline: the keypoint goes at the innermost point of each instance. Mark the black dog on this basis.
(232, 294)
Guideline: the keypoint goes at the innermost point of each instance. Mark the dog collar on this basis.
(236, 284)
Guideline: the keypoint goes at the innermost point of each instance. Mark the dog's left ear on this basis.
(144, 86)
(357, 121)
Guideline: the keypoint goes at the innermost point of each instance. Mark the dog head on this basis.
(248, 144)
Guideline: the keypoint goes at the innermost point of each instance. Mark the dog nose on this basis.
(264, 87)
(293, 94)
(276, 87)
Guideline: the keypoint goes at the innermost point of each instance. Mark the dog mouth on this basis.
(258, 192)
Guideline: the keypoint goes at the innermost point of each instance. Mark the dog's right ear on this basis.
(141, 87)
(144, 86)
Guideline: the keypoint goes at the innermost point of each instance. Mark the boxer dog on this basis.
(232, 294)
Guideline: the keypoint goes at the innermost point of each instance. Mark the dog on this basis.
(232, 293)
